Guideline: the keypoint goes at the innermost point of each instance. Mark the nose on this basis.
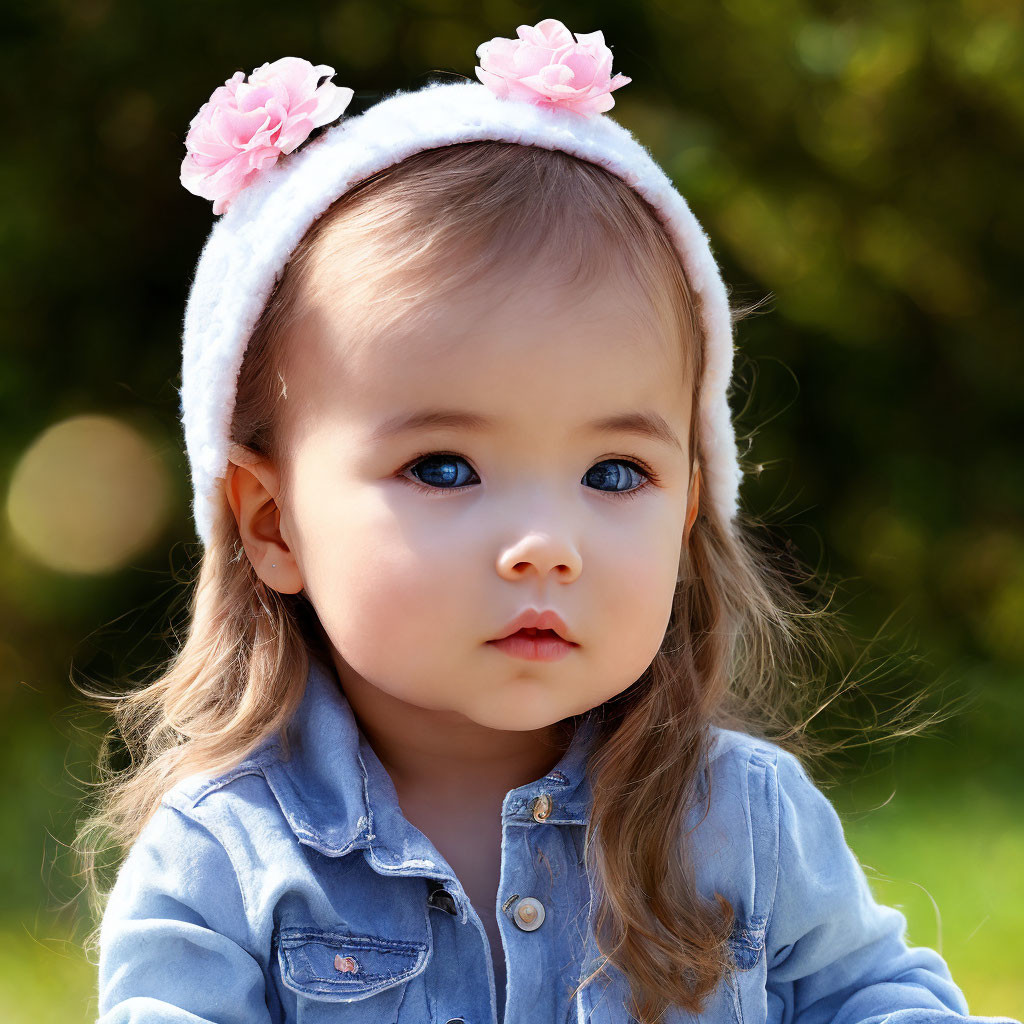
(542, 554)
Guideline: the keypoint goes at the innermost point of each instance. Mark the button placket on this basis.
(527, 912)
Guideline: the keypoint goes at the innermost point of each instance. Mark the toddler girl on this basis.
(473, 717)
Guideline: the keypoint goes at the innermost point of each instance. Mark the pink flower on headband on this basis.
(245, 126)
(547, 67)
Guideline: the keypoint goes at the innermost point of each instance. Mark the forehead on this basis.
(524, 349)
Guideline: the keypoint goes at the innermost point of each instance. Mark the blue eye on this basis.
(440, 471)
(616, 474)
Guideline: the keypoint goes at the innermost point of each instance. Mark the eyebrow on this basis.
(641, 423)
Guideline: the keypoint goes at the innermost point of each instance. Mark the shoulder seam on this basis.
(222, 780)
(188, 797)
(219, 840)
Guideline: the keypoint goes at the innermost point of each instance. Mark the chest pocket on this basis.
(338, 977)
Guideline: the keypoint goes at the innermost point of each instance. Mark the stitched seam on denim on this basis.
(737, 1004)
(294, 935)
(369, 833)
(774, 767)
(405, 992)
(231, 860)
(751, 938)
(223, 780)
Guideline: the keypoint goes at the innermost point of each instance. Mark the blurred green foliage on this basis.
(858, 163)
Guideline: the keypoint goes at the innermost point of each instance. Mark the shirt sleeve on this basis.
(172, 939)
(835, 955)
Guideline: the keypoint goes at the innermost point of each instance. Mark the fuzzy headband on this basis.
(543, 89)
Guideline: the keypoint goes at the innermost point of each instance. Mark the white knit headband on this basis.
(248, 247)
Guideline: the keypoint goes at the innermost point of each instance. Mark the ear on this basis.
(694, 502)
(251, 486)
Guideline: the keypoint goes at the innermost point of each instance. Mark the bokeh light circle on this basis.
(89, 493)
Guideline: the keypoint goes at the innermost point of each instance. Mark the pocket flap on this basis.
(341, 967)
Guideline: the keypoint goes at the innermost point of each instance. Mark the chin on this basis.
(518, 713)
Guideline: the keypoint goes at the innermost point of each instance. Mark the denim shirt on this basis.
(294, 890)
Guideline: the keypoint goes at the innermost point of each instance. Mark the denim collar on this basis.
(338, 797)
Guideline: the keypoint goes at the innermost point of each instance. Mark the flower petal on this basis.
(497, 85)
(245, 126)
(331, 103)
(547, 66)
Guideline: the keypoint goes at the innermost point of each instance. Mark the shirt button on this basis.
(542, 807)
(345, 964)
(528, 914)
(456, 1020)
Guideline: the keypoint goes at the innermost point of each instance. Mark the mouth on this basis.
(534, 633)
(534, 644)
(531, 624)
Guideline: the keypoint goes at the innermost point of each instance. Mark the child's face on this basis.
(409, 577)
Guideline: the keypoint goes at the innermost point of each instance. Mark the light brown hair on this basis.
(739, 650)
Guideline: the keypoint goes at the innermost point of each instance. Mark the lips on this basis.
(537, 623)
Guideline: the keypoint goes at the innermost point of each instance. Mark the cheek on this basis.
(392, 593)
(634, 599)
